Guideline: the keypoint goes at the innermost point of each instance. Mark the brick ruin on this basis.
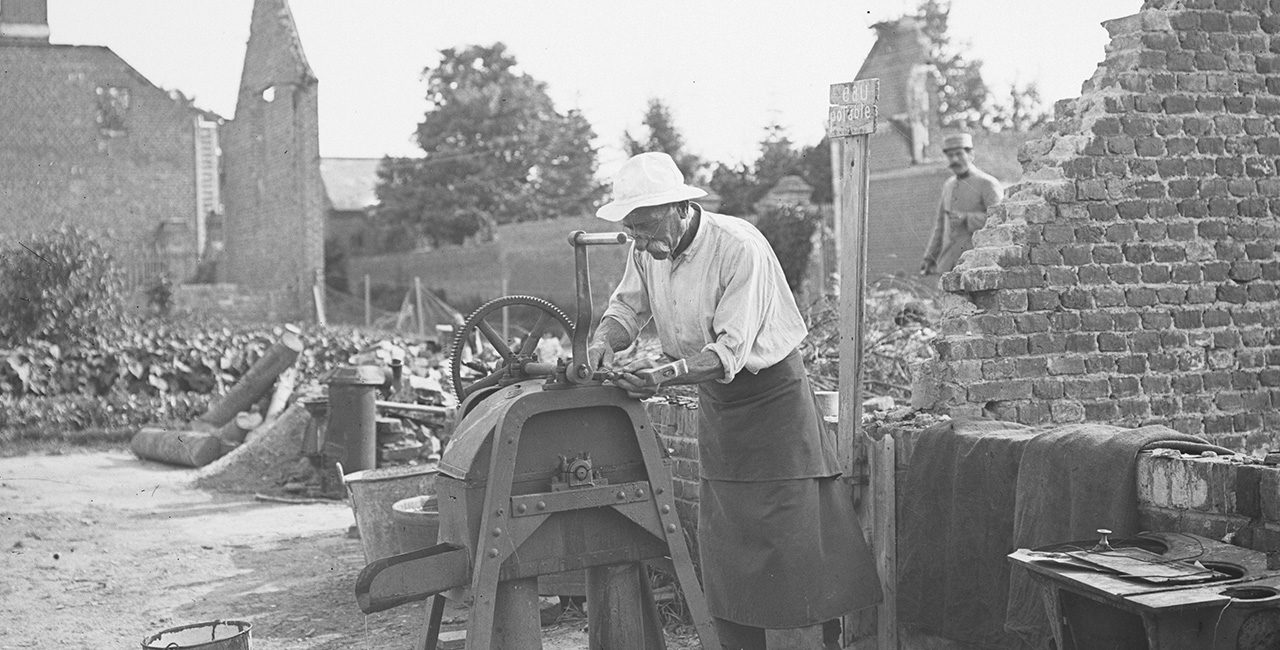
(1131, 275)
(273, 190)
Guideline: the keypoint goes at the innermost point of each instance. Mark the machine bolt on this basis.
(493, 552)
(542, 505)
(501, 512)
(639, 494)
(521, 508)
(621, 495)
(666, 509)
(657, 490)
(671, 528)
(497, 532)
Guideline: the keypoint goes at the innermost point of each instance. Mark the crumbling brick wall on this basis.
(1131, 276)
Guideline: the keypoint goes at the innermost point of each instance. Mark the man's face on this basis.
(959, 160)
(656, 230)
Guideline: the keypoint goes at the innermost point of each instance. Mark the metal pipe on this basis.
(420, 408)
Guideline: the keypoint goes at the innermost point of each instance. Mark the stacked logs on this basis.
(230, 420)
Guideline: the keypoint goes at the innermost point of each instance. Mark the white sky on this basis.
(726, 68)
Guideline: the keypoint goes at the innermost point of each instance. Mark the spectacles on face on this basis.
(646, 228)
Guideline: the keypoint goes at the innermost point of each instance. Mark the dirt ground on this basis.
(102, 549)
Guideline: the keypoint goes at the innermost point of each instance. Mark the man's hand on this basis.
(637, 387)
(599, 356)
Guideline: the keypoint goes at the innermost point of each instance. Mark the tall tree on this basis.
(663, 137)
(497, 151)
(964, 97)
(740, 187)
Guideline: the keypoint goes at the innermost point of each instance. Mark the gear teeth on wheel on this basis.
(460, 336)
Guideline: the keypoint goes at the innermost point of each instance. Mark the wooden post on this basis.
(851, 120)
(621, 613)
(368, 307)
(417, 299)
(317, 294)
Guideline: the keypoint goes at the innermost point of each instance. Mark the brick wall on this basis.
(274, 194)
(677, 427)
(61, 165)
(1131, 277)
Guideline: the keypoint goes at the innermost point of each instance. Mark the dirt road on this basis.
(102, 549)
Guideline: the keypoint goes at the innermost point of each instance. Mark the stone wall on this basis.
(1131, 276)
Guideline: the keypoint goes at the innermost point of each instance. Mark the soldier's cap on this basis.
(957, 141)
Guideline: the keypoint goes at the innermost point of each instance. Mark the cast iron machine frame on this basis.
(550, 470)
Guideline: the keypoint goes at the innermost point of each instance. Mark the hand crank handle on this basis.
(578, 372)
(583, 238)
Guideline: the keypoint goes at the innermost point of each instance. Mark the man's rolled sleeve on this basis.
(629, 304)
(740, 314)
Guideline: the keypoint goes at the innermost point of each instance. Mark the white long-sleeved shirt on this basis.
(725, 293)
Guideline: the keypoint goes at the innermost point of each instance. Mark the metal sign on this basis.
(853, 110)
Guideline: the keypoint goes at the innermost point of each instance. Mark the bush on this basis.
(58, 286)
(789, 230)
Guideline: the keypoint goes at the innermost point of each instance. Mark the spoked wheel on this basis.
(511, 360)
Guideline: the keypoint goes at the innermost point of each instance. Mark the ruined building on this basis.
(274, 192)
(85, 139)
(1131, 277)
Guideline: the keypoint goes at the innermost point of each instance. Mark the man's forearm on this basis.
(613, 334)
(703, 366)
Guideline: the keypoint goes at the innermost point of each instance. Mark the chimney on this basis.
(24, 21)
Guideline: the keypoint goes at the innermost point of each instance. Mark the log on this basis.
(234, 431)
(189, 448)
(255, 383)
(283, 391)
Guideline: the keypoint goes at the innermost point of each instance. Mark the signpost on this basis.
(851, 118)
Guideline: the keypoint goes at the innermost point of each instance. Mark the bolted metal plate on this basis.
(528, 505)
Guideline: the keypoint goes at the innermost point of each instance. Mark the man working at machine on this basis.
(779, 543)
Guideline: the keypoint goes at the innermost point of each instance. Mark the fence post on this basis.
(417, 299)
(368, 308)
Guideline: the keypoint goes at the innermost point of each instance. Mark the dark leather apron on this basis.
(778, 541)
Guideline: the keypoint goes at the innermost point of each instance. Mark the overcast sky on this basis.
(726, 68)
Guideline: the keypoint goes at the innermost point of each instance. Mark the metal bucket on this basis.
(373, 494)
(213, 635)
(417, 522)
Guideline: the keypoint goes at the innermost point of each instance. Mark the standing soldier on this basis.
(966, 197)
(780, 546)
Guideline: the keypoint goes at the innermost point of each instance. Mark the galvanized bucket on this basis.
(373, 494)
(417, 522)
(211, 635)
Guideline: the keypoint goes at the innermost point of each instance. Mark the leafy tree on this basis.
(964, 97)
(663, 137)
(497, 151)
(815, 167)
(789, 230)
(740, 187)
